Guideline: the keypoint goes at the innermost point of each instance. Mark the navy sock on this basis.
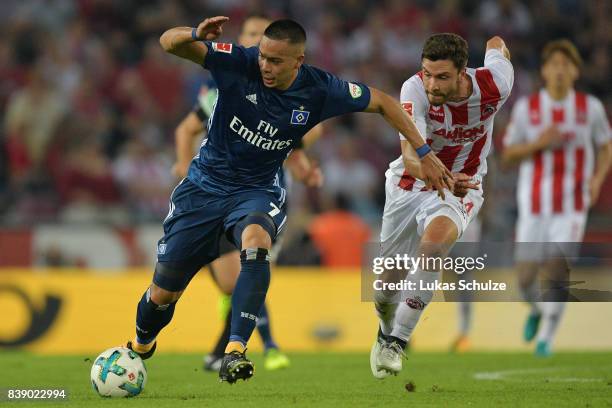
(263, 327)
(219, 349)
(151, 318)
(250, 293)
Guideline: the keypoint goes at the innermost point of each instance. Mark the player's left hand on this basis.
(211, 28)
(463, 183)
(594, 190)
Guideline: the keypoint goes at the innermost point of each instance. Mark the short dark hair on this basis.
(566, 47)
(446, 46)
(288, 30)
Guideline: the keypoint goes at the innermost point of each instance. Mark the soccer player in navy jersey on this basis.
(268, 100)
(225, 269)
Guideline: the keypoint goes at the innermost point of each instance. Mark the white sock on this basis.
(551, 316)
(386, 302)
(531, 294)
(407, 317)
(386, 316)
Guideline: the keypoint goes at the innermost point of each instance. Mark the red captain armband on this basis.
(423, 150)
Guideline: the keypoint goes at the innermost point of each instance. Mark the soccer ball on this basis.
(118, 372)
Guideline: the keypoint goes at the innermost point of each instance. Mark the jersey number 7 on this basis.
(274, 211)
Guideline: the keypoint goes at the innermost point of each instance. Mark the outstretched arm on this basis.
(303, 169)
(184, 138)
(498, 44)
(412, 164)
(602, 167)
(433, 172)
(312, 136)
(549, 138)
(185, 43)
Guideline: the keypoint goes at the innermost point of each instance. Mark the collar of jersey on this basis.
(557, 103)
(293, 84)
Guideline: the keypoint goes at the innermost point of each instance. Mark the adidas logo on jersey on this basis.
(252, 98)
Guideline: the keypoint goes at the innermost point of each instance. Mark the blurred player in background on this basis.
(453, 107)
(267, 101)
(226, 268)
(552, 135)
(465, 308)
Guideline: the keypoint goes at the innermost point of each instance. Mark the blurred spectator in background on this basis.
(32, 116)
(163, 82)
(351, 176)
(86, 185)
(88, 100)
(142, 172)
(339, 235)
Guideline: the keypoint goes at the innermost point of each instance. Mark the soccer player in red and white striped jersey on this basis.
(561, 138)
(453, 107)
(458, 131)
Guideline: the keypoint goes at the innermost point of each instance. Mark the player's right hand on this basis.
(550, 138)
(179, 170)
(435, 174)
(211, 28)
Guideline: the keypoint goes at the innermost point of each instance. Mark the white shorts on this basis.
(407, 214)
(549, 229)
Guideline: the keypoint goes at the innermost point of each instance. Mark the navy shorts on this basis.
(197, 221)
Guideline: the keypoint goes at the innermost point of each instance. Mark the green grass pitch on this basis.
(335, 380)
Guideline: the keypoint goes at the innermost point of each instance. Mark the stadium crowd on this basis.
(89, 101)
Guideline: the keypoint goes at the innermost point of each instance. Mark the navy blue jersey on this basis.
(203, 110)
(253, 128)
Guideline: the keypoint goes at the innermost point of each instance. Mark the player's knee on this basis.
(255, 236)
(171, 278)
(161, 296)
(440, 231)
(438, 238)
(254, 231)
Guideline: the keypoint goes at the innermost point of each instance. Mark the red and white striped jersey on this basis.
(555, 181)
(459, 133)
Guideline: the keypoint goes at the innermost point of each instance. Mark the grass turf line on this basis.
(335, 380)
